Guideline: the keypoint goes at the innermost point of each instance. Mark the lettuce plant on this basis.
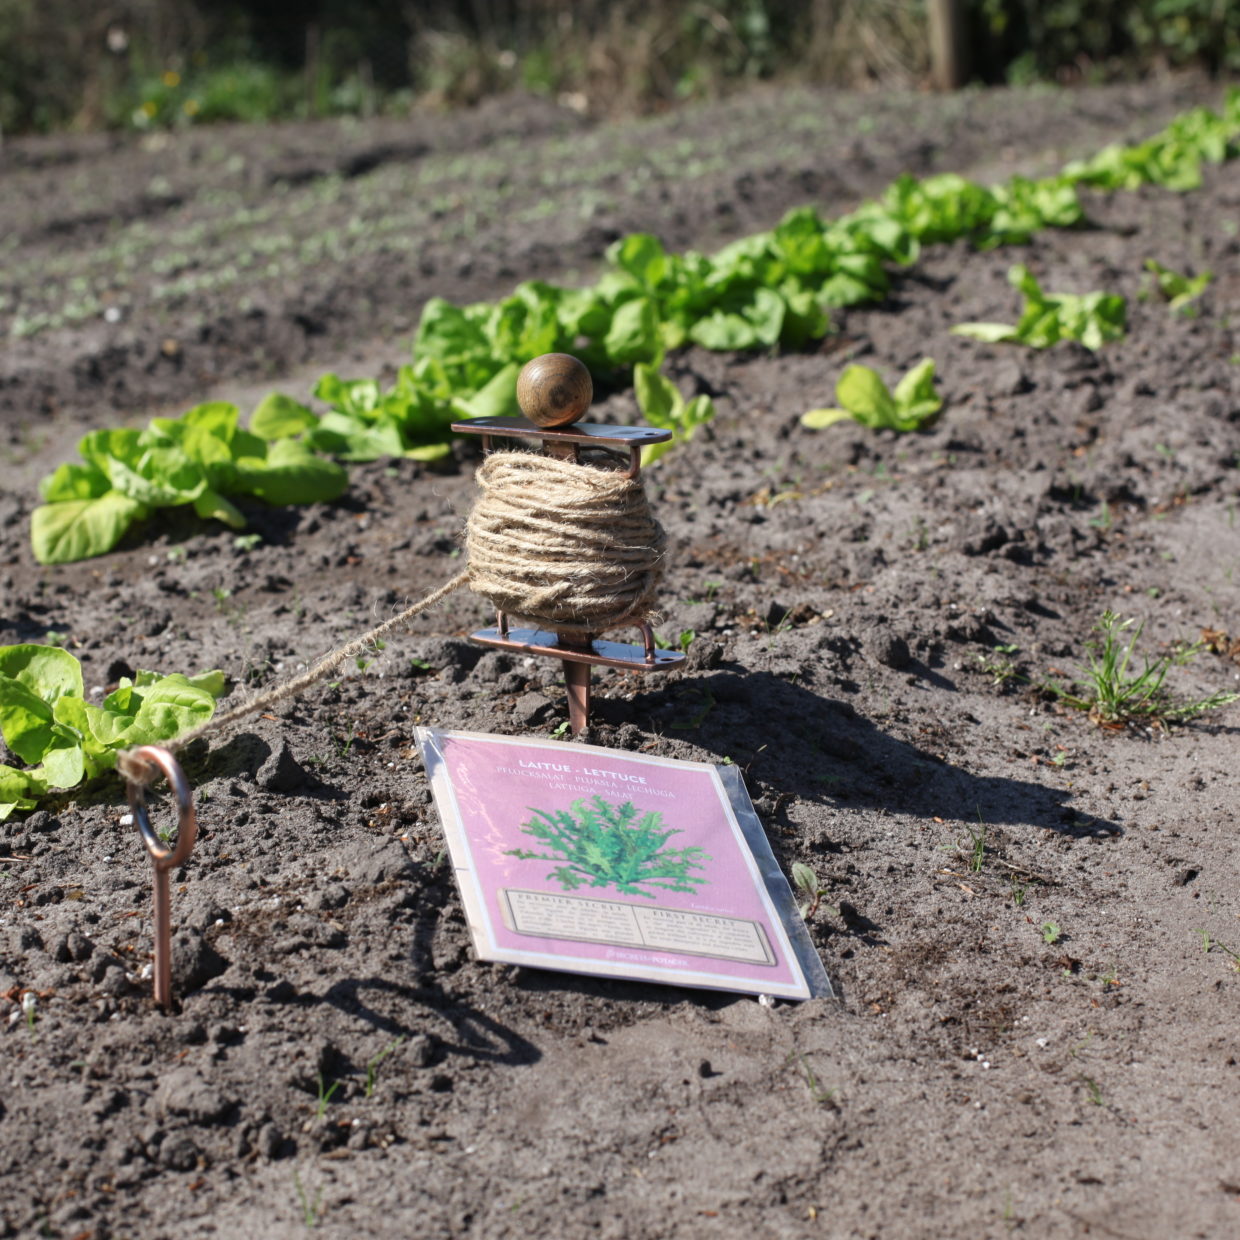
(1178, 290)
(1092, 318)
(411, 419)
(865, 398)
(605, 845)
(64, 739)
(199, 459)
(663, 406)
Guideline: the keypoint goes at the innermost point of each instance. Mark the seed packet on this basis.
(604, 862)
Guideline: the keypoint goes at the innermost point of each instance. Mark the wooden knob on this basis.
(554, 390)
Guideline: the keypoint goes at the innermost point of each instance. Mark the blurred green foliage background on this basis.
(164, 63)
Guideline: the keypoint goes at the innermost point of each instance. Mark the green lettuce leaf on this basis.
(357, 398)
(657, 396)
(25, 720)
(456, 337)
(526, 324)
(147, 466)
(865, 396)
(633, 335)
(33, 681)
(988, 333)
(280, 417)
(18, 790)
(212, 506)
(216, 417)
(1092, 318)
(291, 474)
(71, 481)
(915, 396)
(498, 399)
(744, 324)
(1178, 290)
(643, 257)
(46, 670)
(77, 719)
(166, 708)
(64, 763)
(80, 528)
(214, 682)
(817, 419)
(356, 439)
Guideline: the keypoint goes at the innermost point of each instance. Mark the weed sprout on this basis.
(372, 1065)
(310, 1210)
(324, 1096)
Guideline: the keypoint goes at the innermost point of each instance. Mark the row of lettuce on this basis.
(774, 289)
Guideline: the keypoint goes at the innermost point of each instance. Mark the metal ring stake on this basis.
(164, 859)
(554, 391)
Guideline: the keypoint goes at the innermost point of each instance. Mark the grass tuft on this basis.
(1116, 695)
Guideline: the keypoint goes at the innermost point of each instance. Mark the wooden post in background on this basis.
(948, 47)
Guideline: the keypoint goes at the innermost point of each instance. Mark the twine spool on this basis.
(563, 546)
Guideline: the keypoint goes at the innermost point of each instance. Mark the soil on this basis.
(1029, 1034)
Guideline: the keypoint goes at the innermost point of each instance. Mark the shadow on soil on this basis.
(819, 749)
(477, 1036)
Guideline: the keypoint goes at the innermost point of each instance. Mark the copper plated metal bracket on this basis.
(622, 439)
(164, 859)
(577, 652)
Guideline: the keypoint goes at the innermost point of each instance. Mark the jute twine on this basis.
(562, 546)
(549, 542)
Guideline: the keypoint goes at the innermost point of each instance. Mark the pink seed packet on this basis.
(597, 861)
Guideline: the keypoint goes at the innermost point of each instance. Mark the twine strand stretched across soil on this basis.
(567, 547)
(139, 772)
